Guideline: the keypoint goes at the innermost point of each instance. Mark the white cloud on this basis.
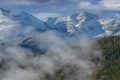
(6, 25)
(44, 16)
(87, 5)
(109, 1)
(101, 5)
(110, 4)
(117, 15)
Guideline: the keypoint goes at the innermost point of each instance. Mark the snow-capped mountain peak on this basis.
(25, 19)
(78, 23)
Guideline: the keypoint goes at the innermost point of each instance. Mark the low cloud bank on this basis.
(62, 60)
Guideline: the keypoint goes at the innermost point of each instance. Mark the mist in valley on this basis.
(62, 60)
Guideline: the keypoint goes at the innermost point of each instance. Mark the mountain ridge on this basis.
(27, 31)
(83, 22)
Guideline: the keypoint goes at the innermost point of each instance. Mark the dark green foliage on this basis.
(110, 63)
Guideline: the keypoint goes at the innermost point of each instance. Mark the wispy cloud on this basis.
(23, 2)
(110, 4)
(34, 2)
(101, 5)
(44, 16)
(63, 6)
(40, 2)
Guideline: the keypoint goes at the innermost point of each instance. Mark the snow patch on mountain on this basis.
(83, 22)
(110, 26)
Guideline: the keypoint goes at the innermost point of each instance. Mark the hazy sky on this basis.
(63, 7)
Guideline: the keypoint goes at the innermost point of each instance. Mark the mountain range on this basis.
(22, 28)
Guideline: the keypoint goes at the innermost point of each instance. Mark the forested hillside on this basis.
(109, 69)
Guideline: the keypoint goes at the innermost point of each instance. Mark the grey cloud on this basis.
(36, 2)
(60, 59)
(23, 2)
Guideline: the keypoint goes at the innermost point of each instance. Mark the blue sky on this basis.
(62, 7)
